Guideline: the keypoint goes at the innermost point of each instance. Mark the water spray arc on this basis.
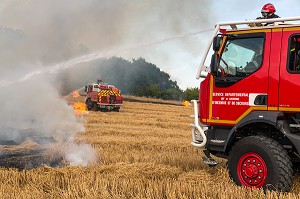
(93, 56)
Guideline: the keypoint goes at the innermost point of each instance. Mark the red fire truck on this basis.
(103, 97)
(248, 109)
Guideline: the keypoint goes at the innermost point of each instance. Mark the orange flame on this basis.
(185, 103)
(79, 108)
(75, 94)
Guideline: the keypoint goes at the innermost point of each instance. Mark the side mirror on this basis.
(214, 64)
(217, 42)
(85, 89)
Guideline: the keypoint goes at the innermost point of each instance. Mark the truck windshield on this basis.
(241, 57)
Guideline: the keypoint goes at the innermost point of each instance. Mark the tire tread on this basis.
(280, 156)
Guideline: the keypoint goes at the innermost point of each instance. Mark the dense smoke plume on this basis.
(37, 35)
(34, 107)
(50, 32)
(34, 111)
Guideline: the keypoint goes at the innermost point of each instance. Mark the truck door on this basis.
(241, 83)
(275, 59)
(289, 84)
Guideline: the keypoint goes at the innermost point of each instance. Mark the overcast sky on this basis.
(56, 31)
(182, 63)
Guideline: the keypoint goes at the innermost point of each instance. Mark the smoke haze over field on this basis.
(34, 107)
(33, 110)
(49, 32)
(35, 35)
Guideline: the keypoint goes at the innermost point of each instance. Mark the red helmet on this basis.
(268, 8)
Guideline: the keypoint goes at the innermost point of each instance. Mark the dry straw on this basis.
(144, 152)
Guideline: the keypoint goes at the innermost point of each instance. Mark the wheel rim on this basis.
(252, 170)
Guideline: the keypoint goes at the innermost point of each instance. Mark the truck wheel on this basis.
(258, 161)
(89, 104)
(94, 106)
(117, 109)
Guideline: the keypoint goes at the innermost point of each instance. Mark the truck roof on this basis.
(250, 24)
(278, 25)
(235, 26)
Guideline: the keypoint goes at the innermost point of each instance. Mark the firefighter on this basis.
(295, 55)
(256, 61)
(268, 11)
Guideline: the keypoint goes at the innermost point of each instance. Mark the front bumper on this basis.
(108, 106)
(199, 138)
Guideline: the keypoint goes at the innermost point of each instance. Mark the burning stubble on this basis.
(33, 112)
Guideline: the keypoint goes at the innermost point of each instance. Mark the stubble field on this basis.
(144, 152)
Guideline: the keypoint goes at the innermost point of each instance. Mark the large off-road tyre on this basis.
(116, 109)
(89, 104)
(258, 161)
(94, 106)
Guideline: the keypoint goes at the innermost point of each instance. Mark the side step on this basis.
(295, 125)
(207, 159)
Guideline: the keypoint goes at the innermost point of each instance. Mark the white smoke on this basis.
(80, 154)
(33, 110)
(34, 107)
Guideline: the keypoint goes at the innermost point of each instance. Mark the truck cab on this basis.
(248, 107)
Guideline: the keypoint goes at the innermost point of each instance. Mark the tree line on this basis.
(136, 77)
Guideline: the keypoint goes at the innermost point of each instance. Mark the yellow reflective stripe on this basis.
(291, 29)
(108, 92)
(249, 31)
(291, 109)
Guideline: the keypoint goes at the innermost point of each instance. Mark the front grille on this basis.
(112, 99)
(104, 99)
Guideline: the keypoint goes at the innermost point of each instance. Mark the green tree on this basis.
(136, 77)
(172, 94)
(191, 93)
(153, 90)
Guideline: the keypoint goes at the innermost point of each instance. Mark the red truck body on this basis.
(248, 109)
(103, 97)
(272, 79)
